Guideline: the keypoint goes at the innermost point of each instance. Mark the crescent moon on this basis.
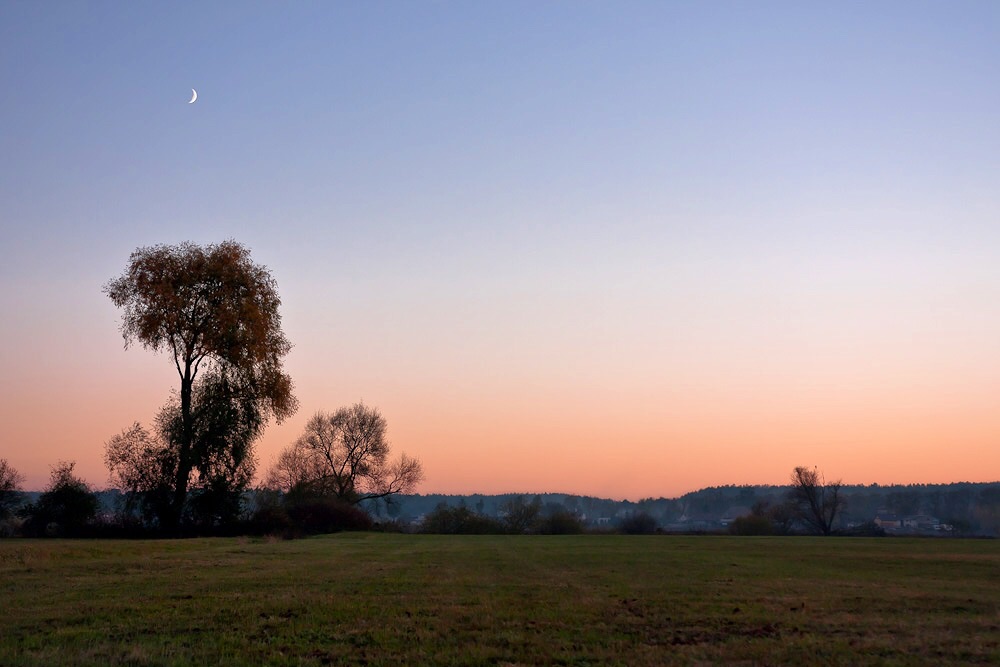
(194, 96)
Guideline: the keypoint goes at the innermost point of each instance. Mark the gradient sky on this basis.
(625, 249)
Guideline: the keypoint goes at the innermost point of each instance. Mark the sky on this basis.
(625, 249)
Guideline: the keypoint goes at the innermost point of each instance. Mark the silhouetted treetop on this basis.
(203, 302)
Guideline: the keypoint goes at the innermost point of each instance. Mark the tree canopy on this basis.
(207, 304)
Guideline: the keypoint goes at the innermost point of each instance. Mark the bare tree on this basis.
(816, 501)
(345, 455)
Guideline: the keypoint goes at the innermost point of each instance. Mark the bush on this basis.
(11, 525)
(65, 509)
(213, 508)
(270, 520)
(752, 524)
(560, 523)
(866, 529)
(639, 523)
(392, 526)
(459, 521)
(325, 515)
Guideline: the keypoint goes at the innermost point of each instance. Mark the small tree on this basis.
(66, 506)
(765, 519)
(520, 516)
(816, 501)
(143, 467)
(344, 455)
(10, 488)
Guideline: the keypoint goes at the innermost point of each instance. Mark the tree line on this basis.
(811, 505)
(966, 509)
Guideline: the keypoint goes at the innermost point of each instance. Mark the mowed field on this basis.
(381, 599)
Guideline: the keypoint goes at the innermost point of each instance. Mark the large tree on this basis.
(345, 455)
(816, 502)
(216, 315)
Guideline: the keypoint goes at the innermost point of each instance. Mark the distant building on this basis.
(921, 522)
(888, 521)
(912, 523)
(692, 521)
(733, 513)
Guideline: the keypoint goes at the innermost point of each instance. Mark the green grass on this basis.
(493, 600)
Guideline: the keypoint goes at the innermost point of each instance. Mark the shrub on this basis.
(752, 524)
(270, 520)
(459, 521)
(392, 526)
(66, 507)
(213, 508)
(638, 523)
(520, 516)
(11, 525)
(325, 515)
(560, 523)
(866, 529)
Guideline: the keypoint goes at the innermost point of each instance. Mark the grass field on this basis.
(577, 600)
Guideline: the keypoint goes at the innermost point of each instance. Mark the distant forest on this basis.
(958, 509)
(961, 509)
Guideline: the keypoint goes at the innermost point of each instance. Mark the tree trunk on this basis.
(184, 462)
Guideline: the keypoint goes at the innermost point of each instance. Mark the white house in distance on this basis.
(913, 523)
